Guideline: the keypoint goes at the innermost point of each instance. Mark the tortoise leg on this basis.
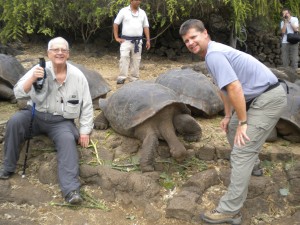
(294, 138)
(7, 93)
(188, 127)
(150, 144)
(177, 149)
(101, 123)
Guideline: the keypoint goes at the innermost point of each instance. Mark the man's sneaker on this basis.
(73, 198)
(215, 217)
(5, 174)
(120, 81)
(257, 171)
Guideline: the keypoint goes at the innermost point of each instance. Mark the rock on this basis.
(293, 175)
(207, 152)
(151, 214)
(199, 182)
(183, 207)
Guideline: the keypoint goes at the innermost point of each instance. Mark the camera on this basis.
(285, 17)
(38, 85)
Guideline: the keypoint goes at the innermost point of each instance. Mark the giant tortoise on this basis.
(11, 71)
(97, 84)
(288, 125)
(149, 111)
(194, 89)
(285, 73)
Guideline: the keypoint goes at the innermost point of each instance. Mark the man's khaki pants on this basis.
(262, 117)
(128, 58)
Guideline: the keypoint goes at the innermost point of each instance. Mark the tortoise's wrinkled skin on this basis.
(195, 90)
(149, 112)
(11, 71)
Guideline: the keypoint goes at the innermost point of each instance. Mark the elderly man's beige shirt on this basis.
(71, 99)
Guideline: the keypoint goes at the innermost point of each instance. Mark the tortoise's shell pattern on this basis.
(97, 84)
(134, 103)
(194, 89)
(292, 112)
(11, 70)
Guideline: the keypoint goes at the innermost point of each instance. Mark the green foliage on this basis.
(294, 6)
(166, 181)
(81, 16)
(241, 10)
(162, 13)
(116, 5)
(244, 10)
(85, 17)
(25, 16)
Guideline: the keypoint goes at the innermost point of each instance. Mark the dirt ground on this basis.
(106, 63)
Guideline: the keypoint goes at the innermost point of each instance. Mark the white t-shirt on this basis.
(294, 21)
(132, 23)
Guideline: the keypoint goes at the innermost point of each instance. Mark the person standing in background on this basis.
(289, 52)
(134, 22)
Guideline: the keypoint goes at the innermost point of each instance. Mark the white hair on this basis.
(57, 39)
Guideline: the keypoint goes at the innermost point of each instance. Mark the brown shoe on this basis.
(215, 217)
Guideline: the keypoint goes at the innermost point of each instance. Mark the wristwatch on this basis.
(241, 123)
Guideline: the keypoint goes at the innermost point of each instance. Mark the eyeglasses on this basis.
(57, 50)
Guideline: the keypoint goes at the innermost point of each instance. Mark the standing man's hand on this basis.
(148, 44)
(84, 140)
(120, 40)
(241, 137)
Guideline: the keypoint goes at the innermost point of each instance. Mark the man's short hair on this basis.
(286, 9)
(57, 39)
(191, 23)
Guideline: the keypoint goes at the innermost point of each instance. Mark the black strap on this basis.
(134, 40)
(287, 87)
(268, 89)
(272, 87)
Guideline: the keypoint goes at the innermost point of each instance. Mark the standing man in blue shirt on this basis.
(253, 103)
(134, 22)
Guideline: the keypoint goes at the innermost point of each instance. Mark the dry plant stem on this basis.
(93, 202)
(56, 216)
(94, 144)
